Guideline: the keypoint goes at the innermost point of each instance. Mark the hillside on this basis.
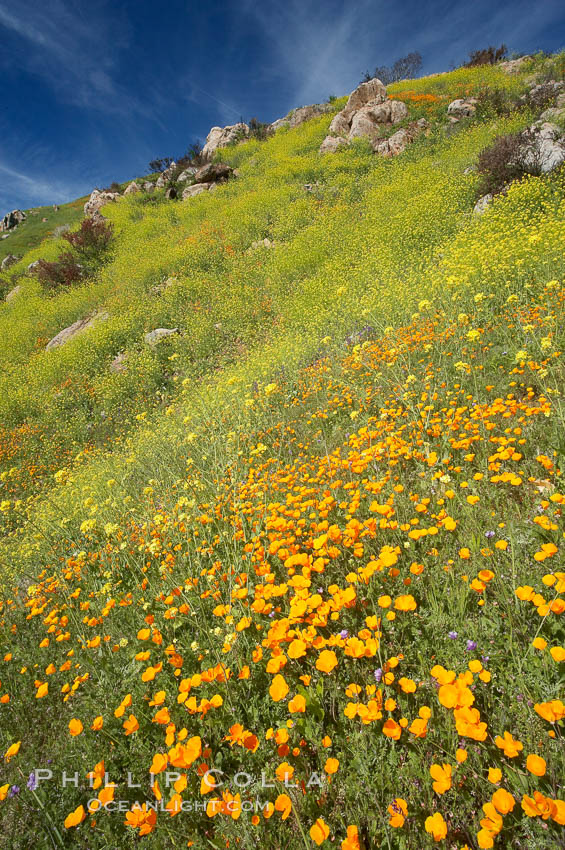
(216, 547)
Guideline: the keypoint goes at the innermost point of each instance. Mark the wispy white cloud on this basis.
(32, 189)
(77, 55)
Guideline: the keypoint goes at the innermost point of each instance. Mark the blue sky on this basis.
(94, 89)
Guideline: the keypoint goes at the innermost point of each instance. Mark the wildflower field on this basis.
(294, 577)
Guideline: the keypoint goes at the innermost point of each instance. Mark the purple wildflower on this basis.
(452, 635)
(471, 645)
(378, 674)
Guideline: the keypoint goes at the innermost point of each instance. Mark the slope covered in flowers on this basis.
(317, 600)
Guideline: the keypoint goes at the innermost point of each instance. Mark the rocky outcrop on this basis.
(155, 336)
(221, 137)
(513, 66)
(77, 327)
(187, 174)
(148, 186)
(8, 261)
(98, 199)
(364, 115)
(213, 172)
(12, 219)
(462, 107)
(165, 176)
(332, 143)
(400, 140)
(132, 189)
(33, 267)
(171, 194)
(298, 116)
(543, 148)
(13, 292)
(483, 204)
(195, 189)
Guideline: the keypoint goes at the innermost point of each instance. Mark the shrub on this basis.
(508, 158)
(405, 68)
(257, 129)
(91, 239)
(63, 272)
(487, 56)
(541, 97)
(493, 102)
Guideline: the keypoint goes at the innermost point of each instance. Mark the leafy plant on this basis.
(487, 56)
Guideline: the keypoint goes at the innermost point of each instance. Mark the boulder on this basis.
(165, 176)
(400, 140)
(171, 194)
(195, 189)
(97, 200)
(32, 267)
(462, 107)
(513, 66)
(148, 186)
(12, 219)
(187, 174)
(366, 110)
(8, 261)
(482, 204)
(77, 327)
(213, 172)
(299, 116)
(553, 114)
(373, 91)
(220, 137)
(132, 189)
(155, 336)
(13, 292)
(543, 148)
(332, 143)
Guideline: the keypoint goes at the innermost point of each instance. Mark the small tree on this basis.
(406, 67)
(487, 56)
(91, 239)
(160, 164)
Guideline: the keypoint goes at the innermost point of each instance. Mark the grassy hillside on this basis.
(316, 534)
(31, 232)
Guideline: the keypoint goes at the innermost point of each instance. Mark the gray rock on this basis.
(366, 110)
(132, 189)
(167, 175)
(187, 174)
(155, 336)
(148, 186)
(98, 199)
(552, 114)
(220, 137)
(8, 261)
(12, 219)
(513, 66)
(483, 204)
(196, 189)
(13, 293)
(399, 141)
(171, 194)
(213, 172)
(462, 107)
(77, 327)
(298, 116)
(332, 143)
(32, 268)
(543, 148)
